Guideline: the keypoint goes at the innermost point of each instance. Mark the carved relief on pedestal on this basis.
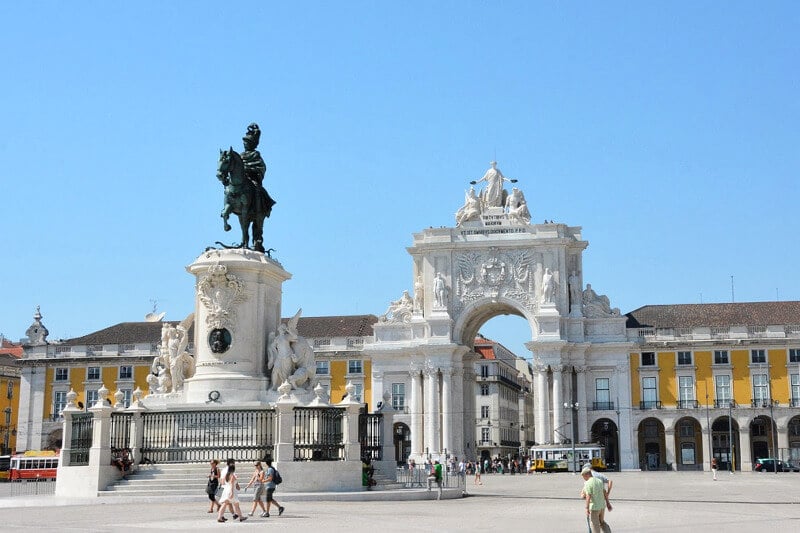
(219, 292)
(493, 274)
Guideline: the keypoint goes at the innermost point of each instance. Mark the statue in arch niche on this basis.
(291, 357)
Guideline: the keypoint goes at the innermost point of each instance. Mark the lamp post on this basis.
(573, 407)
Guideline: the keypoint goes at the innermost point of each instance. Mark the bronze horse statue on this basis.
(242, 199)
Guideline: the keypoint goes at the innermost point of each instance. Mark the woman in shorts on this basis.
(257, 481)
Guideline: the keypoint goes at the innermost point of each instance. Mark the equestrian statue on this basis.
(242, 176)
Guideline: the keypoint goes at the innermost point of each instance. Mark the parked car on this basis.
(773, 465)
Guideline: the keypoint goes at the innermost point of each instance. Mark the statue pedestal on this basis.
(549, 321)
(237, 305)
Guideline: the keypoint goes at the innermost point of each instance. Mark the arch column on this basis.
(669, 447)
(583, 430)
(706, 449)
(416, 412)
(542, 398)
(745, 455)
(447, 410)
(432, 410)
(457, 421)
(560, 431)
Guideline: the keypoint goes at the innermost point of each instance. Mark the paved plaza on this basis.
(643, 501)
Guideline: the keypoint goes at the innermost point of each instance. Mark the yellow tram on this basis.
(559, 458)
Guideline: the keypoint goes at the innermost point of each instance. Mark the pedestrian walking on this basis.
(714, 467)
(595, 497)
(230, 497)
(213, 485)
(607, 485)
(257, 481)
(271, 480)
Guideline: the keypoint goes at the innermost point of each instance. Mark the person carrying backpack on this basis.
(273, 478)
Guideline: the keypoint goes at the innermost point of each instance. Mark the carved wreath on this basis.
(219, 292)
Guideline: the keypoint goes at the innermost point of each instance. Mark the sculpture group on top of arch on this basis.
(494, 198)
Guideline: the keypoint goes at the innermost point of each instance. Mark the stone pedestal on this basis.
(237, 305)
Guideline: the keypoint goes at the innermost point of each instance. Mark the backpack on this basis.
(276, 476)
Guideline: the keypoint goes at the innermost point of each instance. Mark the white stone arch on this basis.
(470, 319)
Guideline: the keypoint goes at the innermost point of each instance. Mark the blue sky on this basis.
(667, 130)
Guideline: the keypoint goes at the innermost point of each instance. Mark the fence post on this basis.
(352, 447)
(100, 452)
(388, 462)
(284, 407)
(137, 426)
(66, 434)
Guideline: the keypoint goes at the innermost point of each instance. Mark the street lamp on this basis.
(574, 408)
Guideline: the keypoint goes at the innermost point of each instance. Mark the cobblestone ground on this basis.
(646, 501)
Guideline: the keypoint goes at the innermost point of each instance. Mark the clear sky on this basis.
(667, 130)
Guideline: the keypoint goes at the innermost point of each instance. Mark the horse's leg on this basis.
(258, 233)
(245, 224)
(226, 211)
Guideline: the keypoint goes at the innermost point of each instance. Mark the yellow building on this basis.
(9, 395)
(715, 380)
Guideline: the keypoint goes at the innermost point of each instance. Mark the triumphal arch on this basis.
(493, 261)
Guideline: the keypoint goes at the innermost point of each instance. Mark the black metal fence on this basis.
(81, 439)
(370, 435)
(318, 434)
(199, 436)
(120, 431)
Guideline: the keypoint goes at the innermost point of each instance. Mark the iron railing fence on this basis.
(200, 436)
(33, 487)
(81, 439)
(120, 431)
(418, 477)
(318, 434)
(370, 435)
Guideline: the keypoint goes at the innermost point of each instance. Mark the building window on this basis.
(484, 390)
(649, 393)
(357, 393)
(93, 373)
(758, 356)
(354, 366)
(59, 402)
(686, 390)
(723, 388)
(91, 398)
(126, 397)
(648, 359)
(684, 358)
(794, 355)
(650, 428)
(484, 411)
(795, 384)
(687, 429)
(126, 372)
(760, 388)
(398, 396)
(321, 343)
(323, 368)
(485, 437)
(62, 374)
(602, 394)
(720, 357)
(687, 453)
(484, 371)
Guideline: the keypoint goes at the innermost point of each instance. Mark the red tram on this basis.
(34, 465)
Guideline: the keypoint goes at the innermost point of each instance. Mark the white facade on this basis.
(494, 262)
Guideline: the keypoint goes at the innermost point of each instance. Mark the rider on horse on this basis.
(255, 168)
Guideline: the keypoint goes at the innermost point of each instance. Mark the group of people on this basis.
(263, 481)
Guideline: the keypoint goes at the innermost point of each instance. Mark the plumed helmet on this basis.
(253, 134)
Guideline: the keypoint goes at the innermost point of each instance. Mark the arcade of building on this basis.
(661, 387)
